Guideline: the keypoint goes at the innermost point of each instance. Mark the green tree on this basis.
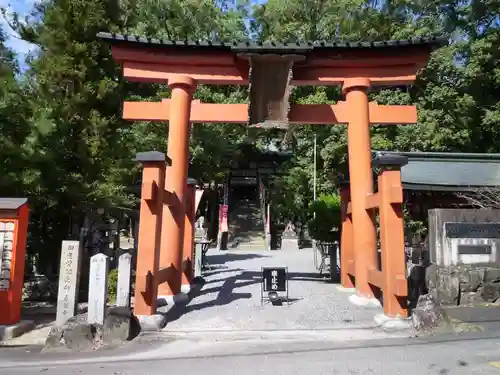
(63, 143)
(14, 129)
(77, 159)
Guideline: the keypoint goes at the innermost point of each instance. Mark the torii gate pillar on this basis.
(174, 209)
(361, 178)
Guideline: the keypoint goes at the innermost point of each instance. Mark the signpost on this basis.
(274, 281)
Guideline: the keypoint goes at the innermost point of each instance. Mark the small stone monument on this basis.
(200, 230)
(198, 258)
(464, 247)
(289, 238)
(69, 277)
(124, 270)
(98, 288)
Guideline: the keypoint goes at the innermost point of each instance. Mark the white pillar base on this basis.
(152, 322)
(397, 323)
(364, 301)
(178, 299)
(185, 288)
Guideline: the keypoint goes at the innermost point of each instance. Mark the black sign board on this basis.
(472, 230)
(474, 249)
(274, 279)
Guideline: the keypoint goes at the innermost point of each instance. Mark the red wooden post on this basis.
(13, 235)
(187, 255)
(361, 179)
(174, 211)
(346, 241)
(150, 219)
(395, 286)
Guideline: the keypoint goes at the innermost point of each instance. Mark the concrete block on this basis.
(11, 331)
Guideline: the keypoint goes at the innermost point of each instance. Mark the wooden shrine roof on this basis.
(271, 47)
(442, 171)
(445, 171)
(448, 171)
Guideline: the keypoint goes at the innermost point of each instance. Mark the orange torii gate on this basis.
(269, 69)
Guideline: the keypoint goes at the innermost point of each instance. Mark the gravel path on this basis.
(230, 300)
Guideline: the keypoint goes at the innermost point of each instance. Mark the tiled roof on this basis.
(449, 171)
(249, 46)
(12, 203)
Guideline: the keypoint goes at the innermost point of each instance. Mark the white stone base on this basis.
(364, 301)
(268, 241)
(340, 288)
(289, 244)
(185, 288)
(386, 322)
(152, 322)
(178, 299)
(11, 331)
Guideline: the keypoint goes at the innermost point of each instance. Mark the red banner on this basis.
(223, 218)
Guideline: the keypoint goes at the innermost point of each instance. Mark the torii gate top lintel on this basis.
(270, 69)
(228, 63)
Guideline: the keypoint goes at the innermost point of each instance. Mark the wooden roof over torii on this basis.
(270, 69)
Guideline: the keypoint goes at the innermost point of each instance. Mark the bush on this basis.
(112, 285)
(325, 225)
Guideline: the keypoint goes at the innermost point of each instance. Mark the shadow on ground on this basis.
(227, 292)
(43, 314)
(231, 257)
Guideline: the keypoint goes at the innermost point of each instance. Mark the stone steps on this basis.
(246, 229)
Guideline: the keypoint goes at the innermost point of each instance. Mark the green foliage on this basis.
(112, 285)
(324, 224)
(63, 143)
(415, 227)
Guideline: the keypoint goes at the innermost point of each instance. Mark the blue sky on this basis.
(22, 7)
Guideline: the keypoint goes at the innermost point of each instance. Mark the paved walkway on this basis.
(231, 298)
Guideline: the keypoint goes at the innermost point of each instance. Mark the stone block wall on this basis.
(475, 228)
(463, 285)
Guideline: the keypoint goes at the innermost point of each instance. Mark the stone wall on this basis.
(463, 285)
(464, 236)
(40, 288)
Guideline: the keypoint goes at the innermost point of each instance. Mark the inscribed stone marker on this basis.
(98, 288)
(124, 269)
(289, 238)
(69, 276)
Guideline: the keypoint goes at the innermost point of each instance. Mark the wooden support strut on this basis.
(148, 252)
(392, 278)
(299, 113)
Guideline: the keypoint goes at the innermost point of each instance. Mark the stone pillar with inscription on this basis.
(124, 271)
(69, 280)
(98, 288)
(290, 238)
